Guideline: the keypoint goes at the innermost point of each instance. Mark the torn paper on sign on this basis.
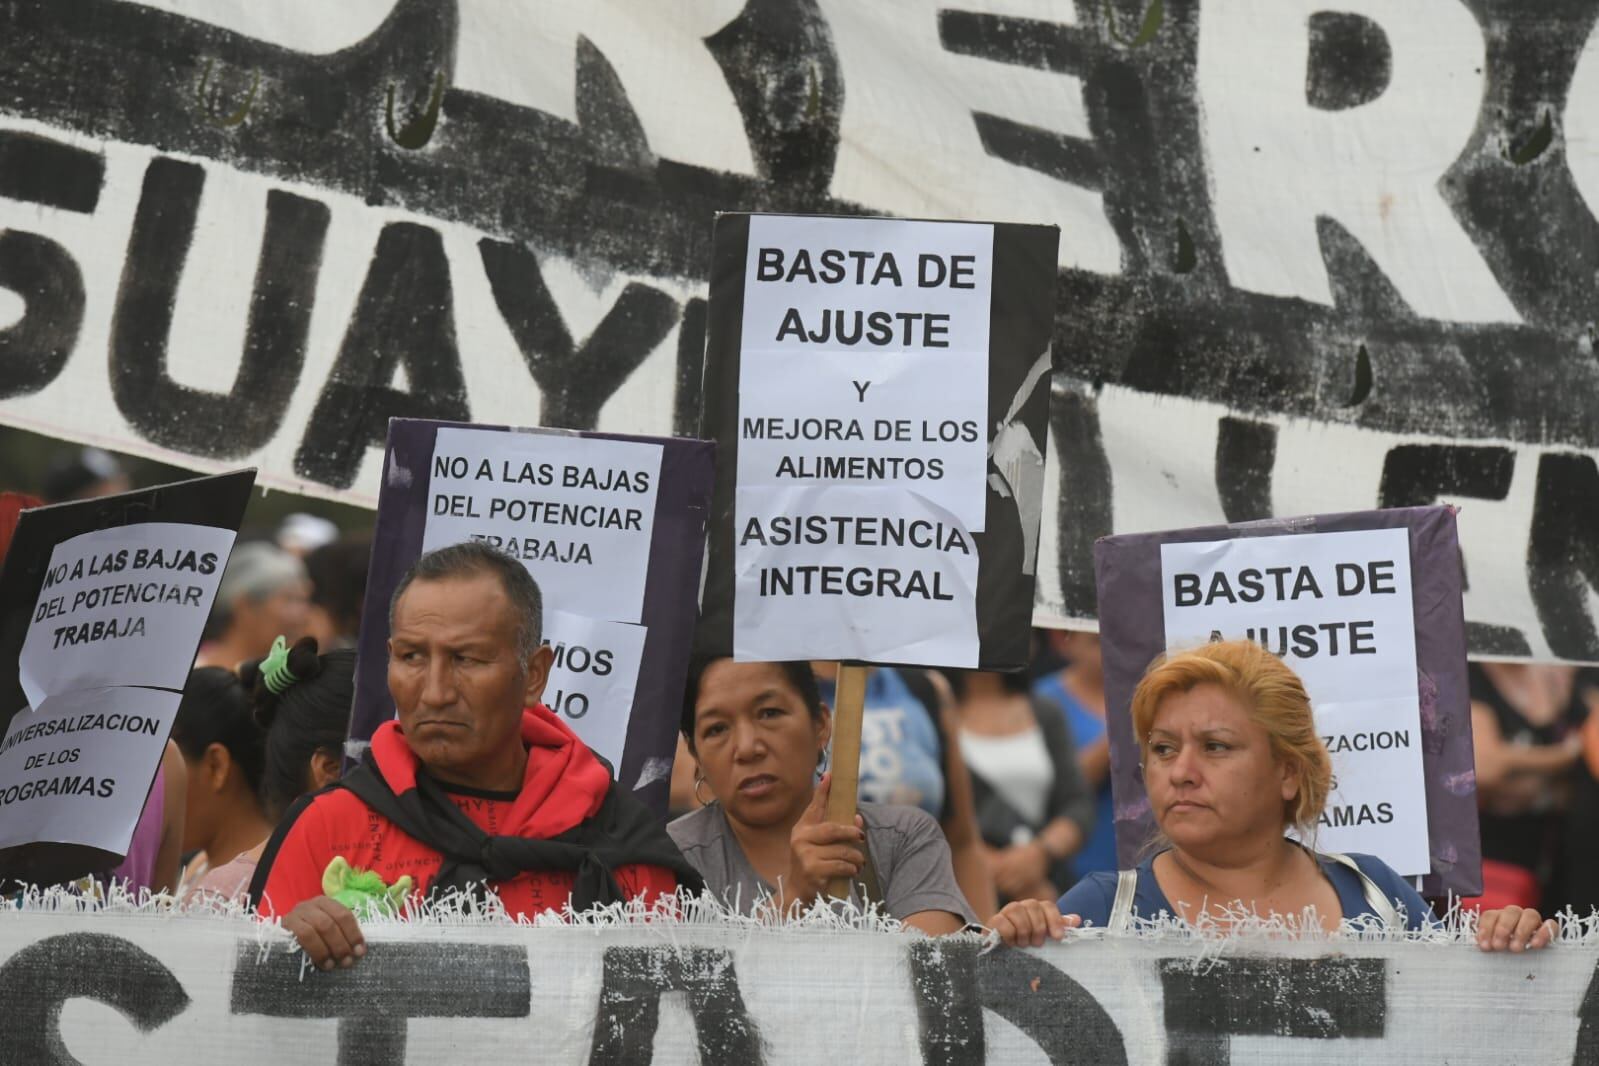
(593, 679)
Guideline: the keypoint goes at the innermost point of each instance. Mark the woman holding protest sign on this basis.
(758, 733)
(1230, 760)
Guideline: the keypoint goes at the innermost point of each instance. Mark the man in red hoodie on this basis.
(476, 784)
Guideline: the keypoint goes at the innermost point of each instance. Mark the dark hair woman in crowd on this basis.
(1034, 807)
(303, 703)
(759, 733)
(223, 752)
(1231, 761)
(254, 744)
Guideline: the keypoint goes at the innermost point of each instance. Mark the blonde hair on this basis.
(1274, 698)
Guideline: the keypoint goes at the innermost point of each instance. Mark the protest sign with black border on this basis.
(1386, 671)
(613, 529)
(103, 603)
(879, 392)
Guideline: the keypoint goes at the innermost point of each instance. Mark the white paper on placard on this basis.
(1338, 608)
(75, 769)
(820, 403)
(593, 681)
(836, 572)
(578, 511)
(123, 606)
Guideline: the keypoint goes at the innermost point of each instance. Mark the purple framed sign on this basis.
(1367, 608)
(613, 529)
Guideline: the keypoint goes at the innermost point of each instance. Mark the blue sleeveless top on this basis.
(1092, 897)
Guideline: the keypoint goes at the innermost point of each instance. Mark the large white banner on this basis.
(105, 990)
(1314, 259)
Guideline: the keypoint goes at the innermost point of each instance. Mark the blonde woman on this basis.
(1231, 760)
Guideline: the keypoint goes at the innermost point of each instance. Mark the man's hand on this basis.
(819, 850)
(1030, 922)
(327, 931)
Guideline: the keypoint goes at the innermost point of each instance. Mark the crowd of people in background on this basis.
(985, 797)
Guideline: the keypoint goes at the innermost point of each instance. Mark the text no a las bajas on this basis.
(104, 662)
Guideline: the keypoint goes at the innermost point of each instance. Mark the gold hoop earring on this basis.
(698, 781)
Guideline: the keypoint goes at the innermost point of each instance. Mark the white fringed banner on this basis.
(126, 985)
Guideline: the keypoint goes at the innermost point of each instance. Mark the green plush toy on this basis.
(364, 891)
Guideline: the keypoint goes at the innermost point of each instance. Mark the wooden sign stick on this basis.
(846, 766)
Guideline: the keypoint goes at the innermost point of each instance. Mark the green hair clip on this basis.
(275, 668)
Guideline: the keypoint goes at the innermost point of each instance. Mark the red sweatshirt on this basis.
(564, 784)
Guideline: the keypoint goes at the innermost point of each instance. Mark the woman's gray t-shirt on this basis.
(908, 850)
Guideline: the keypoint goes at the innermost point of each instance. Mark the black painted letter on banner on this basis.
(1056, 1013)
(630, 1006)
(39, 979)
(394, 982)
(1210, 1002)
(1563, 557)
(1415, 475)
(39, 170)
(1587, 1051)
(1350, 64)
(954, 985)
(1084, 513)
(576, 381)
(689, 402)
(237, 422)
(1246, 455)
(34, 349)
(405, 316)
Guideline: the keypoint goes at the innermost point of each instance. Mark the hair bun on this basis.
(305, 661)
(302, 663)
(249, 672)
